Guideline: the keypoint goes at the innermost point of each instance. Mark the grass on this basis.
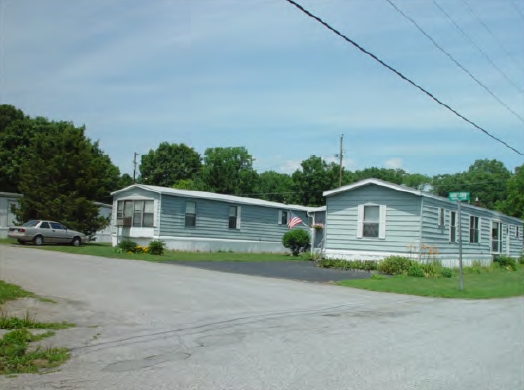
(28, 322)
(106, 250)
(499, 283)
(16, 356)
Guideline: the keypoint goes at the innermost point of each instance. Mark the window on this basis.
(517, 233)
(190, 214)
(440, 217)
(453, 226)
(371, 221)
(56, 225)
(234, 217)
(496, 230)
(282, 217)
(44, 225)
(473, 229)
(141, 212)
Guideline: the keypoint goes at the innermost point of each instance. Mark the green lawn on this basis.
(496, 284)
(106, 250)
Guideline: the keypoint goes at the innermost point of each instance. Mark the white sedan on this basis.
(39, 232)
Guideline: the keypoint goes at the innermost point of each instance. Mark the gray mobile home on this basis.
(372, 219)
(201, 221)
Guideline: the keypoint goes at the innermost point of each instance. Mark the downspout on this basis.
(420, 227)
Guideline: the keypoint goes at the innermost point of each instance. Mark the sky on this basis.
(263, 75)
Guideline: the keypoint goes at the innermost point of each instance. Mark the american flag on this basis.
(293, 220)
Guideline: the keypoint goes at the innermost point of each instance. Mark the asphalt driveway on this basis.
(294, 270)
(154, 326)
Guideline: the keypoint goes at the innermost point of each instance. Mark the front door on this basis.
(59, 233)
(496, 235)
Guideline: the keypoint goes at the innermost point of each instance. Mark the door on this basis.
(59, 233)
(496, 235)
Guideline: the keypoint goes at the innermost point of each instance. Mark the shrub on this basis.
(395, 265)
(366, 265)
(506, 262)
(296, 240)
(127, 246)
(521, 259)
(446, 272)
(416, 271)
(157, 247)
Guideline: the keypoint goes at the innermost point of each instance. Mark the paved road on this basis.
(166, 327)
(295, 270)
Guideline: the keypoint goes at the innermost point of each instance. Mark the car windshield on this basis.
(30, 223)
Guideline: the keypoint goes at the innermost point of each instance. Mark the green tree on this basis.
(16, 132)
(274, 186)
(296, 240)
(487, 181)
(168, 164)
(229, 171)
(125, 181)
(62, 174)
(190, 184)
(513, 205)
(314, 177)
(395, 176)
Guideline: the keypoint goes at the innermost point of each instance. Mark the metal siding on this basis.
(402, 219)
(258, 223)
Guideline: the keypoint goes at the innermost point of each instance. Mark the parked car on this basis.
(39, 232)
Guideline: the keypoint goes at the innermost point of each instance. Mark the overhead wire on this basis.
(441, 49)
(472, 42)
(486, 27)
(398, 73)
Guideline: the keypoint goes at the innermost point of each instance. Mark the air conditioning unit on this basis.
(124, 222)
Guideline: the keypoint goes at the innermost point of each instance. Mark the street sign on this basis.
(454, 196)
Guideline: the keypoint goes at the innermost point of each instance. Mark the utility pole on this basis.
(340, 167)
(134, 168)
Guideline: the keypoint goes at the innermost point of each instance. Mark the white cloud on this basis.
(393, 163)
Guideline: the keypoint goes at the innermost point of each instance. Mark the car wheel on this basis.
(38, 240)
(21, 242)
(76, 241)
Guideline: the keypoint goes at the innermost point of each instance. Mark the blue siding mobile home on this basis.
(201, 221)
(372, 219)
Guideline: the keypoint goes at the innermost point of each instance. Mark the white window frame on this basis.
(280, 216)
(477, 241)
(186, 214)
(440, 217)
(237, 221)
(500, 227)
(121, 211)
(452, 226)
(382, 221)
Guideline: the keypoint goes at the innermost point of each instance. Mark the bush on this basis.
(395, 265)
(366, 265)
(446, 272)
(296, 240)
(157, 247)
(506, 262)
(416, 271)
(521, 259)
(127, 246)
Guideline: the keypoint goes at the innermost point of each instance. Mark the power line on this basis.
(501, 45)
(452, 21)
(454, 60)
(401, 75)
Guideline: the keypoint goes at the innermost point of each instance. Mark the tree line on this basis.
(61, 172)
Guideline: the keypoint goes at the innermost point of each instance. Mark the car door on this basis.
(45, 230)
(59, 233)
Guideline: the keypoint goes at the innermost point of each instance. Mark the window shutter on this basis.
(480, 230)
(239, 209)
(440, 216)
(280, 217)
(360, 221)
(382, 226)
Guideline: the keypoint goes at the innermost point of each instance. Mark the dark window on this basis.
(495, 236)
(120, 209)
(190, 214)
(30, 223)
(141, 212)
(56, 225)
(149, 214)
(233, 213)
(44, 225)
(283, 217)
(137, 213)
(453, 227)
(474, 229)
(371, 221)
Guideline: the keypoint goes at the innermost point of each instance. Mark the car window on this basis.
(31, 223)
(56, 225)
(44, 225)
